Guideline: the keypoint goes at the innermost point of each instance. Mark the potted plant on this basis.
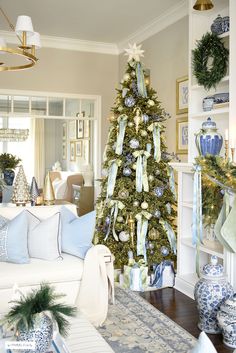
(8, 162)
(33, 315)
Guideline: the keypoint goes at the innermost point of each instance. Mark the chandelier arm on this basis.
(25, 54)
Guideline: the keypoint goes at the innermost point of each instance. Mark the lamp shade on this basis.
(3, 44)
(24, 24)
(34, 40)
(202, 5)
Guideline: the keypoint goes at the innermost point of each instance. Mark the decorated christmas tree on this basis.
(135, 210)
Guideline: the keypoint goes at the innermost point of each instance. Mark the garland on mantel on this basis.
(218, 175)
(210, 60)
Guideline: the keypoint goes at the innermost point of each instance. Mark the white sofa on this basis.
(65, 274)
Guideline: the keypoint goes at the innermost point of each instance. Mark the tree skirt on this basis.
(133, 325)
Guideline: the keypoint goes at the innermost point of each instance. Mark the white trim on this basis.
(166, 19)
(68, 44)
(174, 14)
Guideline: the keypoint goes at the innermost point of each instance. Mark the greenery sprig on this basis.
(210, 48)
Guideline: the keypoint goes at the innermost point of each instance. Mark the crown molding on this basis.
(171, 16)
(68, 44)
(174, 14)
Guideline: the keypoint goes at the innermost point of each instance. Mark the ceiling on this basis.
(107, 21)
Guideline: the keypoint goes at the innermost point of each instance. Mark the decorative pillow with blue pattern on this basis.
(13, 239)
(76, 232)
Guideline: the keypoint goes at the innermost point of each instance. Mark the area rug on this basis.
(135, 326)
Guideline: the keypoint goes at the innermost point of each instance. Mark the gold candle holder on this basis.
(226, 149)
(131, 223)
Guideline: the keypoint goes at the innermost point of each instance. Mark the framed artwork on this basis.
(80, 129)
(182, 135)
(72, 129)
(64, 150)
(64, 132)
(86, 151)
(182, 95)
(86, 128)
(72, 151)
(78, 148)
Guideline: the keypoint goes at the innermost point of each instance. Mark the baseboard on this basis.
(184, 287)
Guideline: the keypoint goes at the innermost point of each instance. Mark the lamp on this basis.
(29, 41)
(202, 5)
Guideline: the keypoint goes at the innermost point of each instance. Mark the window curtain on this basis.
(39, 150)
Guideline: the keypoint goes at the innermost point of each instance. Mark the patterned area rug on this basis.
(135, 326)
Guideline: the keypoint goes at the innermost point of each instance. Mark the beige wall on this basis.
(166, 55)
(66, 71)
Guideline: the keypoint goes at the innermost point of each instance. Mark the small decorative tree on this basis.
(20, 194)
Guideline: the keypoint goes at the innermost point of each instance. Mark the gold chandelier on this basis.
(202, 5)
(29, 41)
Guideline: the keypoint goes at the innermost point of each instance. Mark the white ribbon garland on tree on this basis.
(115, 206)
(170, 235)
(172, 181)
(106, 147)
(141, 170)
(142, 227)
(141, 81)
(122, 120)
(156, 133)
(112, 173)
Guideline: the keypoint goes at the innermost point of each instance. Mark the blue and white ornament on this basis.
(134, 144)
(159, 191)
(127, 171)
(164, 251)
(145, 118)
(129, 101)
(107, 220)
(157, 214)
(130, 158)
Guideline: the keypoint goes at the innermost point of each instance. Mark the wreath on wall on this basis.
(210, 60)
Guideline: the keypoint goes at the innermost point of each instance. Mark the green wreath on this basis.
(210, 46)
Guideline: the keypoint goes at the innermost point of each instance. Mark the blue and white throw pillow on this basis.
(44, 237)
(76, 232)
(13, 239)
(203, 345)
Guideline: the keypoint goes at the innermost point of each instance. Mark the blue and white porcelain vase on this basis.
(208, 140)
(41, 332)
(217, 25)
(227, 321)
(210, 293)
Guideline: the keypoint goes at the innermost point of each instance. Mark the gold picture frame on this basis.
(182, 95)
(64, 154)
(182, 135)
(72, 151)
(78, 148)
(64, 131)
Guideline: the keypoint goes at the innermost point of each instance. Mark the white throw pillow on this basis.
(203, 345)
(44, 237)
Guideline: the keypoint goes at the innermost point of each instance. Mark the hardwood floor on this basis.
(183, 311)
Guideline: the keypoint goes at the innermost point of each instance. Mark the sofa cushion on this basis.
(68, 269)
(44, 237)
(13, 239)
(77, 232)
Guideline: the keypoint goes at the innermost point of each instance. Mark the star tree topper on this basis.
(134, 52)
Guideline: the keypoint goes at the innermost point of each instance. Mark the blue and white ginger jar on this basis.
(227, 321)
(210, 293)
(41, 332)
(208, 140)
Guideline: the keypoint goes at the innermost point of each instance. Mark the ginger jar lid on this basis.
(209, 124)
(229, 306)
(213, 269)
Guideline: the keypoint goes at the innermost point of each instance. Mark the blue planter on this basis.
(9, 176)
(208, 140)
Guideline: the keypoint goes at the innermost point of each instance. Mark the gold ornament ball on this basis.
(126, 77)
(124, 236)
(130, 124)
(112, 118)
(153, 234)
(123, 194)
(120, 219)
(151, 103)
(143, 133)
(134, 166)
(135, 203)
(133, 73)
(144, 205)
(120, 108)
